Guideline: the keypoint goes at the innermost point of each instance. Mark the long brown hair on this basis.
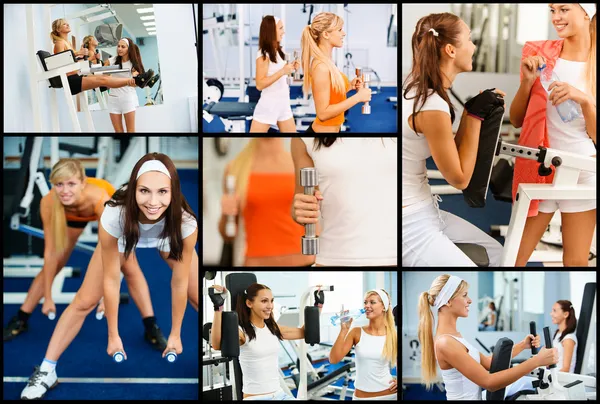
(427, 53)
(425, 330)
(134, 56)
(243, 312)
(125, 196)
(267, 39)
(567, 307)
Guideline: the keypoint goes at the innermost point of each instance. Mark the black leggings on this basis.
(75, 83)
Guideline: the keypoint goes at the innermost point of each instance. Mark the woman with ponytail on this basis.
(442, 49)
(465, 370)
(259, 336)
(329, 85)
(563, 315)
(376, 349)
(265, 234)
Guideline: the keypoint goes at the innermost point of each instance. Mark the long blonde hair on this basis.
(590, 69)
(390, 347)
(311, 36)
(64, 169)
(240, 168)
(425, 330)
(55, 36)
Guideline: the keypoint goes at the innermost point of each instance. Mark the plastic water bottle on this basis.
(568, 110)
(344, 316)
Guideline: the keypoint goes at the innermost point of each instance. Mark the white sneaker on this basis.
(39, 383)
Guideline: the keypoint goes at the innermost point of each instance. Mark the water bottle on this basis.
(344, 316)
(568, 110)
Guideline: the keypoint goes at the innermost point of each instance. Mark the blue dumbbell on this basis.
(171, 356)
(119, 357)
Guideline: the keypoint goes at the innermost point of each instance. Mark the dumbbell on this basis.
(297, 72)
(123, 299)
(288, 59)
(230, 228)
(309, 179)
(366, 77)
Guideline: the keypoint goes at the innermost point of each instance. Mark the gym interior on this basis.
(312, 310)
(242, 95)
(490, 335)
(524, 192)
(47, 89)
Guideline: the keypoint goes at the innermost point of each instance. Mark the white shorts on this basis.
(272, 109)
(393, 397)
(122, 104)
(429, 234)
(573, 205)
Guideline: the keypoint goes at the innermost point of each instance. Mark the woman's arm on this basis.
(321, 86)
(50, 259)
(589, 113)
(179, 283)
(569, 348)
(112, 282)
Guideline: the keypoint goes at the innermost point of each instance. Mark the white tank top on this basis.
(372, 370)
(126, 91)
(279, 87)
(458, 387)
(358, 178)
(259, 362)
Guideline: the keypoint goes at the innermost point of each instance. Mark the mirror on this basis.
(499, 301)
(99, 27)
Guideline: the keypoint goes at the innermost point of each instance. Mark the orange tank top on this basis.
(102, 184)
(335, 98)
(270, 229)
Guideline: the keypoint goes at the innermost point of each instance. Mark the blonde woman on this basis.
(465, 370)
(329, 85)
(77, 83)
(264, 189)
(376, 349)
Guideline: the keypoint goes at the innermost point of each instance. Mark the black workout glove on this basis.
(217, 300)
(319, 298)
(482, 105)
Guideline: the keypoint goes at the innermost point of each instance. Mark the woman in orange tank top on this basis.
(264, 191)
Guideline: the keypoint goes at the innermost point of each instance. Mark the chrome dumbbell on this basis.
(310, 242)
(230, 226)
(297, 72)
(366, 78)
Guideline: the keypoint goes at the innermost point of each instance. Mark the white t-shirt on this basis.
(561, 350)
(259, 362)
(280, 86)
(127, 90)
(113, 222)
(415, 150)
(572, 136)
(358, 178)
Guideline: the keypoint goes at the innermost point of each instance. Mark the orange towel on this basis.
(534, 132)
(270, 230)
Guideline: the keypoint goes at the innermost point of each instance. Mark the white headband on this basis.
(446, 292)
(590, 9)
(153, 165)
(126, 41)
(384, 298)
(276, 20)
